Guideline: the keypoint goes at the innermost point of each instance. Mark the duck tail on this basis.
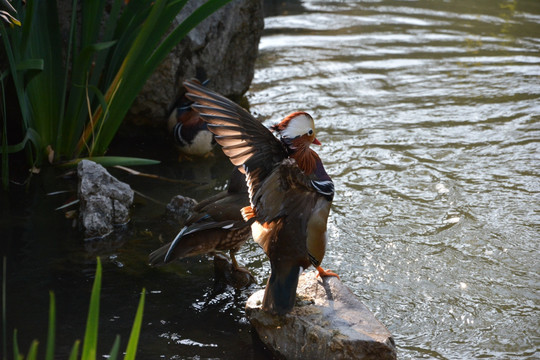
(280, 292)
(157, 257)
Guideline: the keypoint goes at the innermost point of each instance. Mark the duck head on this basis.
(297, 132)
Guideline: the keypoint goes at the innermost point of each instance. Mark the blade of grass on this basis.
(113, 355)
(29, 13)
(45, 89)
(4, 149)
(92, 12)
(17, 81)
(62, 145)
(31, 135)
(108, 35)
(32, 353)
(76, 112)
(131, 350)
(49, 352)
(135, 51)
(4, 319)
(91, 333)
(16, 353)
(75, 350)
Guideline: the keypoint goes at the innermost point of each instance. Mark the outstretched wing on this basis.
(248, 143)
(287, 190)
(293, 207)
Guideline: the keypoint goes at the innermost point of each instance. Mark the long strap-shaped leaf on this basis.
(131, 350)
(125, 88)
(91, 333)
(134, 52)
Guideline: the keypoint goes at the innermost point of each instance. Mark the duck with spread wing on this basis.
(289, 191)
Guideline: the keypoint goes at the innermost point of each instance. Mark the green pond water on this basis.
(429, 116)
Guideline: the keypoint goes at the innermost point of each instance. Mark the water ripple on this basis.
(428, 113)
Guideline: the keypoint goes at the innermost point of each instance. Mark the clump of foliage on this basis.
(89, 346)
(72, 100)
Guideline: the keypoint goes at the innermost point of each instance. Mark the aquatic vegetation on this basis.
(89, 345)
(73, 108)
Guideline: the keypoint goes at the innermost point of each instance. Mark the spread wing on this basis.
(287, 190)
(248, 143)
(286, 197)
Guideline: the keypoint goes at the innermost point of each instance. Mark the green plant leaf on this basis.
(5, 172)
(4, 305)
(64, 138)
(92, 12)
(131, 350)
(49, 352)
(16, 353)
(44, 92)
(91, 333)
(75, 350)
(113, 355)
(76, 106)
(31, 135)
(28, 64)
(114, 160)
(32, 353)
(28, 20)
(134, 73)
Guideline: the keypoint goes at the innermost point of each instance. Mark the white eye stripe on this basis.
(298, 126)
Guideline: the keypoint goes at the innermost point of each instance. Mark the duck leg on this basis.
(323, 272)
(235, 265)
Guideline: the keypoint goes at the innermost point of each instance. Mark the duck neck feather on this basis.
(306, 159)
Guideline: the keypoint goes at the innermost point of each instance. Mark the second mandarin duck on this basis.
(190, 132)
(215, 225)
(289, 190)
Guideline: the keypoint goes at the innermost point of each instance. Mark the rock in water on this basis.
(223, 49)
(104, 200)
(180, 208)
(327, 322)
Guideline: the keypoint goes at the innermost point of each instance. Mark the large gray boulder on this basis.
(223, 49)
(104, 200)
(327, 322)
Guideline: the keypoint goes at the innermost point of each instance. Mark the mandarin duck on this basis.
(190, 133)
(215, 225)
(289, 190)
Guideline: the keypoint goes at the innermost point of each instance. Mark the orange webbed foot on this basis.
(323, 272)
(247, 212)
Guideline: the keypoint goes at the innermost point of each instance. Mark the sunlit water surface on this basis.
(429, 115)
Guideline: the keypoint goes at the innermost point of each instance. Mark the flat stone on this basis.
(104, 200)
(327, 322)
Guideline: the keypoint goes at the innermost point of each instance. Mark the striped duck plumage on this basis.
(189, 131)
(215, 225)
(289, 190)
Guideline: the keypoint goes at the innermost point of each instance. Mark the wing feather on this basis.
(248, 143)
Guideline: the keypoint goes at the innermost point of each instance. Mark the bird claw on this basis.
(325, 273)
